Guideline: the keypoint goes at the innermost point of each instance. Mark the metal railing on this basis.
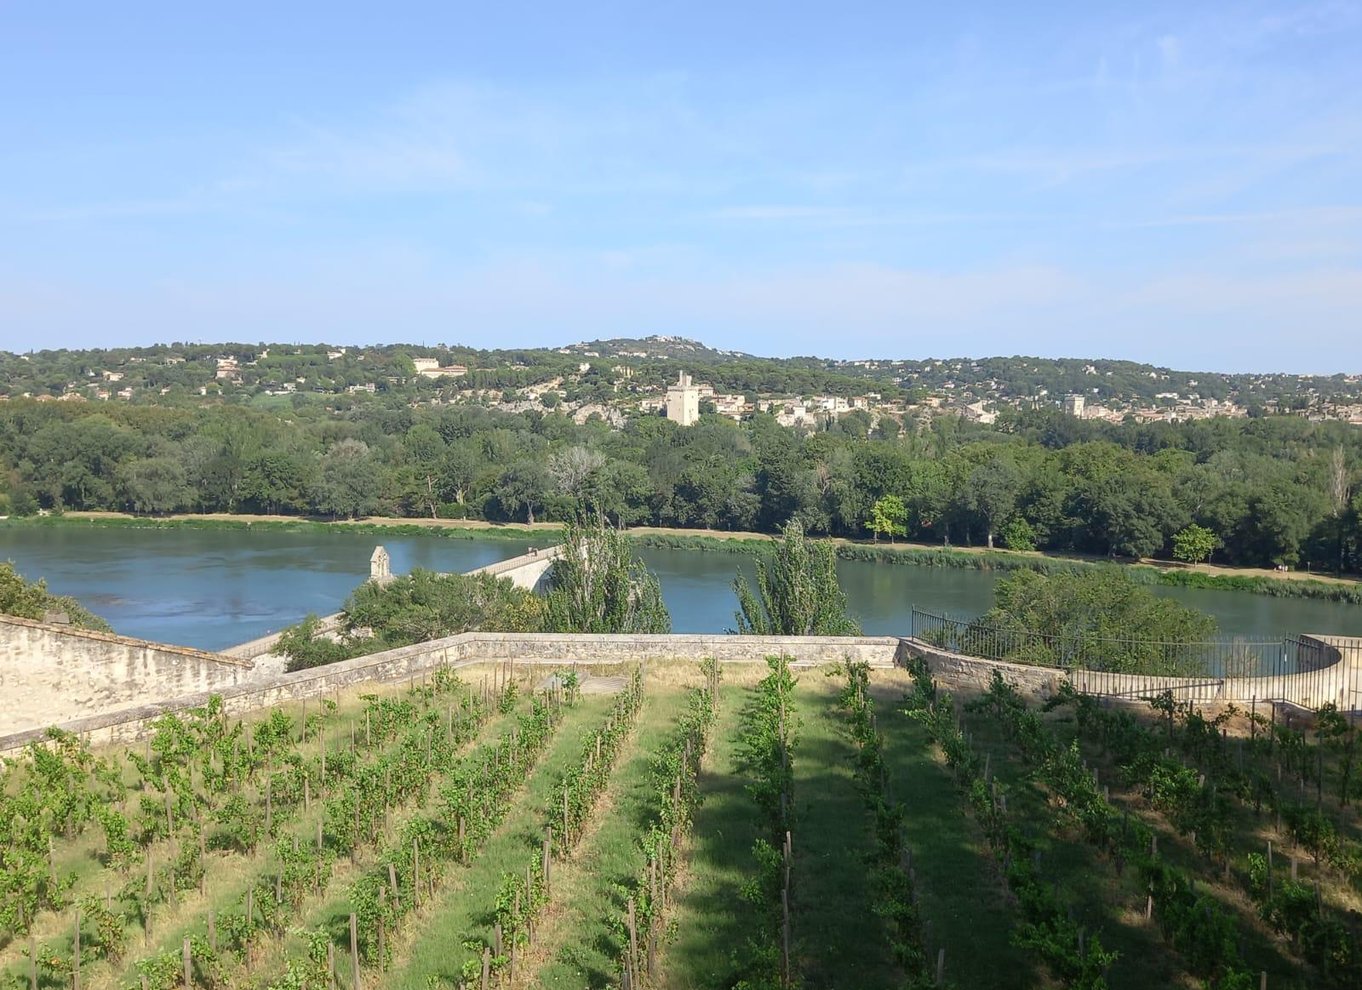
(1299, 670)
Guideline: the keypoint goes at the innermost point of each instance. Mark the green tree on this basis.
(1019, 535)
(993, 489)
(522, 487)
(1102, 620)
(797, 591)
(888, 515)
(154, 485)
(306, 646)
(349, 484)
(1194, 544)
(424, 605)
(32, 600)
(277, 480)
(599, 585)
(413, 608)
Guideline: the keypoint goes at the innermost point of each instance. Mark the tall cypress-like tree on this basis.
(797, 591)
(600, 586)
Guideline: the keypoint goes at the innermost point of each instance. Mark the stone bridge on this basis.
(526, 571)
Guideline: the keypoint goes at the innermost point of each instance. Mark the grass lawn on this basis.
(838, 941)
(959, 886)
(708, 916)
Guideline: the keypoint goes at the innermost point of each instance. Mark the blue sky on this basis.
(1177, 183)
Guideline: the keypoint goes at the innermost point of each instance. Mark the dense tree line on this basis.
(1273, 490)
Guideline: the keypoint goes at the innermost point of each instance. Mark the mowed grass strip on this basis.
(708, 915)
(837, 939)
(580, 933)
(959, 889)
(430, 945)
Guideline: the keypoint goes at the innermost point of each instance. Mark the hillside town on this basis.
(670, 377)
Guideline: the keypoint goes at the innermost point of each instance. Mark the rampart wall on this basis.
(1338, 680)
(467, 649)
(1333, 674)
(51, 673)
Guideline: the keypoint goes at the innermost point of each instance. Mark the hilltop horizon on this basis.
(677, 347)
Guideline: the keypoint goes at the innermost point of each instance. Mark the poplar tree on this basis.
(797, 593)
(599, 585)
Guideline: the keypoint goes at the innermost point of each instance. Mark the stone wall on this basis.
(1333, 674)
(1339, 680)
(50, 674)
(466, 649)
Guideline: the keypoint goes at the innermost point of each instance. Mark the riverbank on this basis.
(1254, 581)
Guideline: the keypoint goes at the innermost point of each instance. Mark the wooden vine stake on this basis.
(785, 935)
(187, 953)
(633, 945)
(354, 954)
(415, 872)
(250, 920)
(382, 931)
(75, 957)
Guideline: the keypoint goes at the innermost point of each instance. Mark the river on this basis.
(213, 588)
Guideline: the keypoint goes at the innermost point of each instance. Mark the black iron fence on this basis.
(1301, 670)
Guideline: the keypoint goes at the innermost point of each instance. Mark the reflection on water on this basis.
(214, 588)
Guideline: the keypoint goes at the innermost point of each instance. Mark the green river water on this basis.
(212, 588)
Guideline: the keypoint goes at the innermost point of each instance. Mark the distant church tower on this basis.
(1073, 405)
(683, 401)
